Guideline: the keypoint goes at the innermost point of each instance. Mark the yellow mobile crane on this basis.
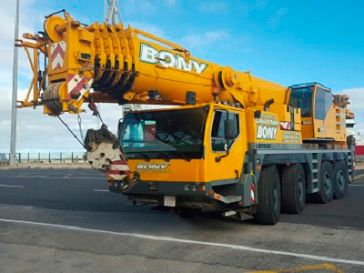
(230, 141)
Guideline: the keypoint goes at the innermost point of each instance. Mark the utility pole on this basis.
(15, 91)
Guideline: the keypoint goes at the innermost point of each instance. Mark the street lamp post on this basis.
(15, 92)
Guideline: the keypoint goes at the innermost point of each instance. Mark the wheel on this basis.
(293, 189)
(341, 179)
(269, 197)
(326, 180)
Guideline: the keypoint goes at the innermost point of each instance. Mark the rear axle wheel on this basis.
(326, 180)
(293, 189)
(341, 179)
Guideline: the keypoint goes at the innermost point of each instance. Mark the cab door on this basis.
(302, 97)
(324, 123)
(224, 157)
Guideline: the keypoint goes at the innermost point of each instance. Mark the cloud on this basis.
(171, 2)
(356, 96)
(153, 29)
(37, 131)
(213, 7)
(195, 41)
(7, 21)
(136, 8)
(132, 6)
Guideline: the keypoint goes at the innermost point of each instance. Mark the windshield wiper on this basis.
(166, 157)
(183, 156)
(145, 156)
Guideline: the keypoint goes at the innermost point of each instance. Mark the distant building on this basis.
(359, 138)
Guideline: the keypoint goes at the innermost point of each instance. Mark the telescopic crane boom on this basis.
(127, 65)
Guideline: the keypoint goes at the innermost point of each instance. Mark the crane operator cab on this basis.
(322, 119)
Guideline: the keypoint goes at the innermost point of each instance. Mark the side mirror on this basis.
(120, 124)
(229, 134)
(230, 129)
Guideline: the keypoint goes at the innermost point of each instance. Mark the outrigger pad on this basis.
(102, 148)
(98, 136)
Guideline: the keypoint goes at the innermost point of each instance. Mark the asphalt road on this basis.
(67, 221)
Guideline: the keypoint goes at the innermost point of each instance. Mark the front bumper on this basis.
(188, 194)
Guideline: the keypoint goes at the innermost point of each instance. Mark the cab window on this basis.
(218, 130)
(302, 98)
(323, 102)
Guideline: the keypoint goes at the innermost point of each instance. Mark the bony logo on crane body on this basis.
(167, 59)
(267, 127)
(266, 132)
(153, 167)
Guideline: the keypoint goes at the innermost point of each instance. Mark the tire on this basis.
(341, 179)
(326, 180)
(269, 197)
(293, 189)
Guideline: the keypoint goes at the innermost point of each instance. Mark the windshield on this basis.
(302, 98)
(164, 134)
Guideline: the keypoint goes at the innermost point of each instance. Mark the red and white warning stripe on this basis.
(58, 51)
(118, 170)
(252, 193)
(77, 85)
(285, 125)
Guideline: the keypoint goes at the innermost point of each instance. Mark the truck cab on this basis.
(321, 120)
(192, 135)
(198, 150)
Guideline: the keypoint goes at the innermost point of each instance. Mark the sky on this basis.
(287, 42)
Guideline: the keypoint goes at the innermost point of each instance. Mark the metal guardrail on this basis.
(60, 158)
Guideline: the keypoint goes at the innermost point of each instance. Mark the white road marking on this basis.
(187, 241)
(358, 185)
(101, 190)
(11, 186)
